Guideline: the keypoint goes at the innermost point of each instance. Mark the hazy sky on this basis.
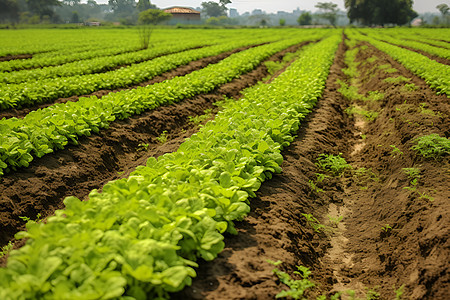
(271, 6)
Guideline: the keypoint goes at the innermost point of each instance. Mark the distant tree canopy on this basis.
(153, 17)
(380, 12)
(42, 7)
(214, 9)
(9, 10)
(443, 8)
(144, 5)
(328, 11)
(305, 19)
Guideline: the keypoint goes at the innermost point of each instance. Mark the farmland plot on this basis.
(378, 226)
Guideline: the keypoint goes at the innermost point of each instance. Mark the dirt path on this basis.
(109, 155)
(380, 237)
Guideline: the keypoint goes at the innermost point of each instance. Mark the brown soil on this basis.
(355, 254)
(109, 155)
(13, 57)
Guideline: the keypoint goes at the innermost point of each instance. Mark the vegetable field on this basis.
(225, 164)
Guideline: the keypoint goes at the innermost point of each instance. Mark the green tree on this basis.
(328, 11)
(214, 9)
(144, 5)
(380, 12)
(71, 2)
(75, 17)
(122, 6)
(443, 8)
(9, 11)
(42, 7)
(282, 22)
(147, 19)
(304, 19)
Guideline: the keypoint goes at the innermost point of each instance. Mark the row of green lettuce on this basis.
(400, 40)
(435, 74)
(46, 130)
(140, 238)
(106, 59)
(97, 64)
(35, 92)
(46, 42)
(73, 45)
(419, 36)
(54, 59)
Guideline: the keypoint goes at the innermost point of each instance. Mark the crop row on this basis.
(35, 92)
(141, 236)
(40, 61)
(43, 131)
(55, 47)
(401, 41)
(55, 41)
(436, 75)
(95, 65)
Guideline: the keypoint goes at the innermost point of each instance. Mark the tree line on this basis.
(363, 12)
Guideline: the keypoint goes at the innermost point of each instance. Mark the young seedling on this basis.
(395, 151)
(314, 187)
(313, 222)
(399, 292)
(142, 147)
(413, 175)
(334, 221)
(6, 249)
(162, 138)
(386, 228)
(297, 288)
(334, 164)
(26, 219)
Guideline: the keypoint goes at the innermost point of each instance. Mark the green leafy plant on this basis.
(413, 175)
(397, 79)
(313, 222)
(142, 235)
(335, 220)
(386, 228)
(142, 147)
(432, 146)
(162, 138)
(297, 287)
(6, 249)
(367, 114)
(396, 151)
(334, 164)
(410, 87)
(27, 219)
(314, 187)
(399, 292)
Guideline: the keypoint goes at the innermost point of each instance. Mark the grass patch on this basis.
(334, 164)
(397, 79)
(367, 114)
(432, 146)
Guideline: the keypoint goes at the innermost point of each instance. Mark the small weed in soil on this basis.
(432, 146)
(163, 137)
(313, 222)
(6, 249)
(335, 164)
